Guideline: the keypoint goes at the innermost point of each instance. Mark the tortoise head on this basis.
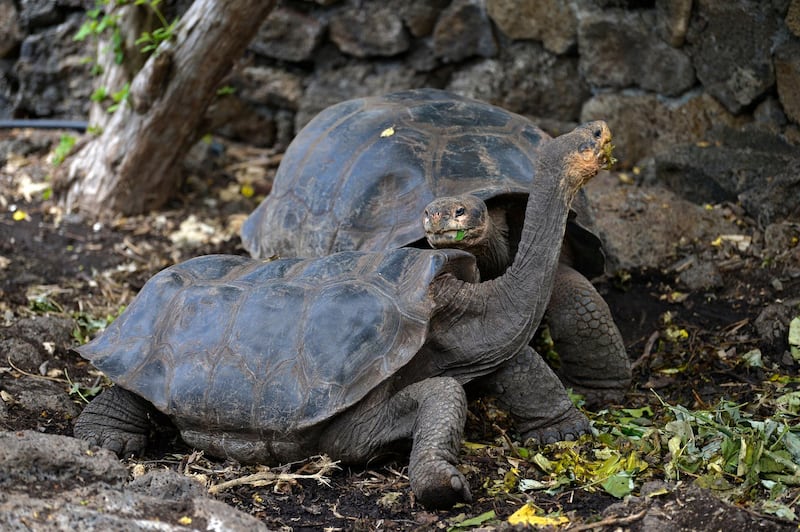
(460, 222)
(580, 154)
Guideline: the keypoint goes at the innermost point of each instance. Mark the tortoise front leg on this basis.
(117, 420)
(592, 355)
(536, 399)
(431, 413)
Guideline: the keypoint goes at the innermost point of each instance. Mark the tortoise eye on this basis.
(460, 211)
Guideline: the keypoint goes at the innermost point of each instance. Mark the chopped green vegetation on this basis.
(748, 459)
(608, 150)
(460, 234)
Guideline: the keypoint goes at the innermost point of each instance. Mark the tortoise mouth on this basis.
(449, 236)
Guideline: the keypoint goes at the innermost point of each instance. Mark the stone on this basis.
(701, 275)
(353, 80)
(730, 43)
(772, 325)
(39, 13)
(674, 16)
(166, 484)
(751, 167)
(81, 487)
(10, 31)
(526, 79)
(270, 86)
(787, 74)
(645, 227)
(45, 399)
(370, 31)
(793, 18)
(288, 35)
(619, 49)
(54, 79)
(8, 94)
(464, 30)
(553, 22)
(34, 340)
(420, 16)
(780, 237)
(237, 119)
(646, 124)
(782, 247)
(29, 456)
(769, 115)
(774, 196)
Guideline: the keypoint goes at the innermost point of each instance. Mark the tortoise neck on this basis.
(487, 322)
(521, 294)
(495, 257)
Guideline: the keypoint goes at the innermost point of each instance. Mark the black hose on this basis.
(44, 123)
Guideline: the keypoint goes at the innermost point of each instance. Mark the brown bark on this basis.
(133, 166)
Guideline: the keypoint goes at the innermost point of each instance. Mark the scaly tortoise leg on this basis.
(593, 360)
(117, 420)
(431, 413)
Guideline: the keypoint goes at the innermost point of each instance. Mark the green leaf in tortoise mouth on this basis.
(460, 235)
(608, 150)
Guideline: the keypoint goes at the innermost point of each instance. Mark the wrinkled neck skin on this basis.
(494, 255)
(476, 327)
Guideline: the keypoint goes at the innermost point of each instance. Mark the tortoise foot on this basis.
(120, 442)
(567, 428)
(116, 420)
(440, 485)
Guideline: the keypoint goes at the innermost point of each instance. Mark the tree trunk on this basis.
(133, 166)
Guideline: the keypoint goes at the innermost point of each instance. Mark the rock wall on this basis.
(664, 73)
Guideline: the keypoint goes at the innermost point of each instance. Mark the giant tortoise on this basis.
(355, 354)
(361, 173)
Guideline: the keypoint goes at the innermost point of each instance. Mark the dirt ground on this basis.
(77, 272)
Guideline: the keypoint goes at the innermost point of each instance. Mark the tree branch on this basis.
(133, 166)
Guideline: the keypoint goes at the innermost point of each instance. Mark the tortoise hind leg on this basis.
(117, 420)
(431, 413)
(593, 360)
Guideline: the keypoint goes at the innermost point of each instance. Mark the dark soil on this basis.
(70, 269)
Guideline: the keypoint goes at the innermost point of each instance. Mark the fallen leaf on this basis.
(474, 521)
(794, 338)
(526, 515)
(618, 485)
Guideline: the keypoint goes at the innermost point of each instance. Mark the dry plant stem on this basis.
(264, 478)
(648, 350)
(33, 375)
(609, 522)
(133, 166)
